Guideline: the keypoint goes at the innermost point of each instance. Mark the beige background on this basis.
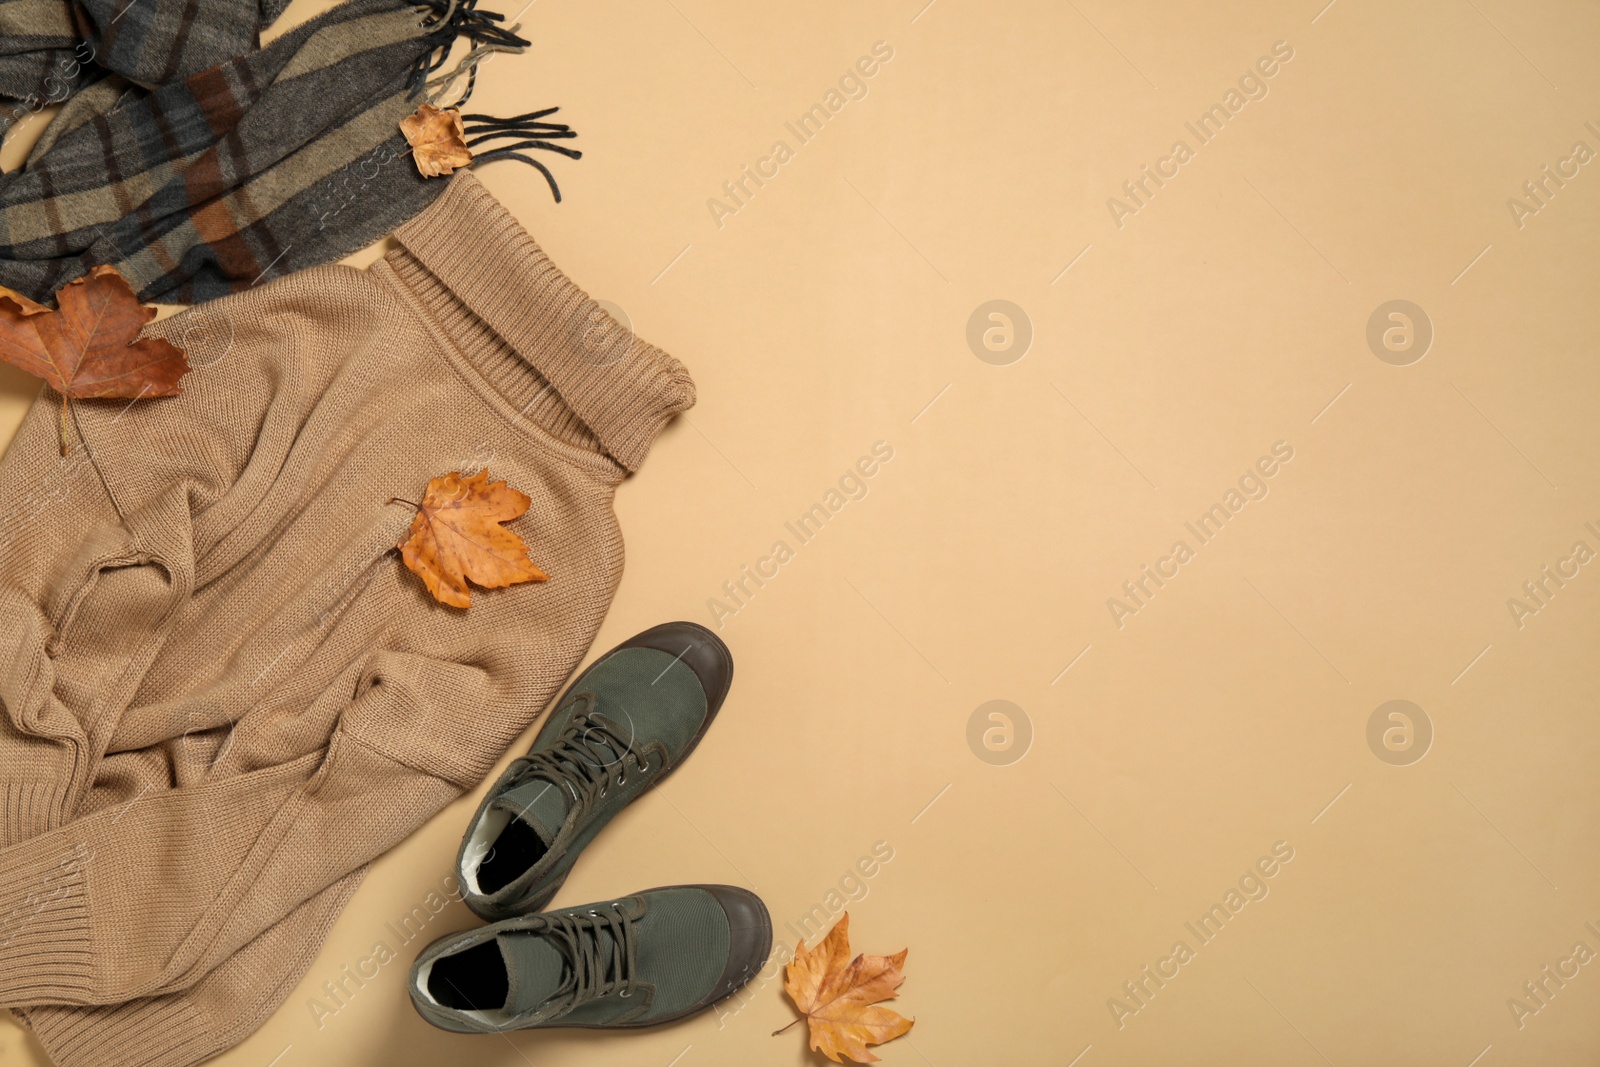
(1230, 713)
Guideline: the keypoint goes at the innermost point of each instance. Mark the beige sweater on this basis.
(222, 692)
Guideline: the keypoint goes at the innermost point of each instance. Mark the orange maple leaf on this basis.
(839, 996)
(457, 536)
(90, 346)
(438, 143)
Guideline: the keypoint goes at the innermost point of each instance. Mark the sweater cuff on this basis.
(467, 253)
(27, 809)
(46, 953)
(140, 1033)
(222, 1009)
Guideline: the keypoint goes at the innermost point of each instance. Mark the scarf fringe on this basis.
(451, 20)
(456, 19)
(481, 129)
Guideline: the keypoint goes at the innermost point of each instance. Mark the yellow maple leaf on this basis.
(457, 535)
(839, 995)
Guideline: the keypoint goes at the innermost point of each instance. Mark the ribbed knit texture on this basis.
(213, 1015)
(535, 307)
(44, 922)
(27, 809)
(223, 694)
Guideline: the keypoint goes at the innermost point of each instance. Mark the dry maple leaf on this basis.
(840, 995)
(457, 535)
(438, 143)
(90, 346)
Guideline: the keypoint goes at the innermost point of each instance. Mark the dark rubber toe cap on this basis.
(749, 937)
(696, 648)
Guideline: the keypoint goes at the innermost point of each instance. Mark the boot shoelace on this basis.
(597, 969)
(588, 758)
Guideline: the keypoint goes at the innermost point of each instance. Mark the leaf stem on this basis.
(797, 1022)
(403, 500)
(64, 402)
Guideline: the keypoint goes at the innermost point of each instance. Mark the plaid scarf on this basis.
(47, 46)
(271, 161)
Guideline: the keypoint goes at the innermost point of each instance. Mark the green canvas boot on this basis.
(635, 961)
(627, 722)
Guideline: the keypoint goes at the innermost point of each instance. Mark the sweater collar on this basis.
(535, 337)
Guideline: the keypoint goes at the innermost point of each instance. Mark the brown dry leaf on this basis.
(839, 995)
(438, 143)
(457, 535)
(90, 347)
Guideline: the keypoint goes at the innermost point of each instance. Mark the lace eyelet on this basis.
(625, 993)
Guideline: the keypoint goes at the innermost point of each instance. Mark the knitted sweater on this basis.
(222, 692)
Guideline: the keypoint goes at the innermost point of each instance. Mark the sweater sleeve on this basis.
(147, 899)
(216, 1013)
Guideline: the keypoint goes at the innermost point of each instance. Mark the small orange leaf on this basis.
(839, 996)
(90, 346)
(457, 536)
(438, 143)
